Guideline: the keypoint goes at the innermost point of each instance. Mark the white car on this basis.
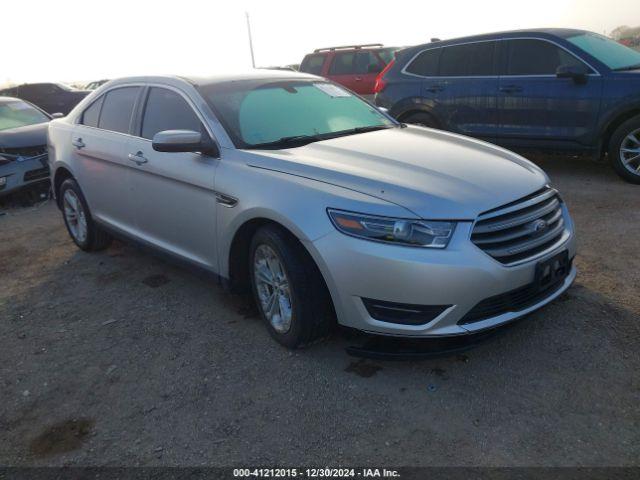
(328, 209)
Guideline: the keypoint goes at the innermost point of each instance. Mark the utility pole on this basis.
(253, 60)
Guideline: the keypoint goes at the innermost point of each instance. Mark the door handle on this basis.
(435, 88)
(511, 89)
(358, 79)
(78, 143)
(138, 158)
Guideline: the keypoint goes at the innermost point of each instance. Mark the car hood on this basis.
(28, 136)
(434, 174)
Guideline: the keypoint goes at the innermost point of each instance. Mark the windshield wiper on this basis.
(351, 131)
(301, 140)
(630, 67)
(284, 142)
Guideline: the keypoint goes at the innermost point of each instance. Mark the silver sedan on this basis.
(327, 209)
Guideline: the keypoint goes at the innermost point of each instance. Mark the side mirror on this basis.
(578, 73)
(57, 115)
(175, 141)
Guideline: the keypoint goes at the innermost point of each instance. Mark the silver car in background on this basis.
(326, 208)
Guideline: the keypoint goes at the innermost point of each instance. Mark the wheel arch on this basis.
(237, 256)
(411, 105)
(61, 174)
(612, 125)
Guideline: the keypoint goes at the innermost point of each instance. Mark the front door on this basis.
(537, 107)
(173, 193)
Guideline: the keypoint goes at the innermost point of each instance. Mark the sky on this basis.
(83, 40)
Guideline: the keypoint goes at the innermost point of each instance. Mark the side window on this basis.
(426, 63)
(312, 64)
(342, 64)
(472, 59)
(117, 108)
(92, 113)
(367, 62)
(536, 57)
(167, 110)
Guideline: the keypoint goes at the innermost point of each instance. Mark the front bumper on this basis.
(461, 276)
(22, 173)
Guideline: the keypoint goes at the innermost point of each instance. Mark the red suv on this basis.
(354, 66)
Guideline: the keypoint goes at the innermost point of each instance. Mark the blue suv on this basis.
(553, 89)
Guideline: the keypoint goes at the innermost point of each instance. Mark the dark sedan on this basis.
(50, 97)
(23, 145)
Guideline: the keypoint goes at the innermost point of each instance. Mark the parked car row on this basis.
(333, 210)
(550, 89)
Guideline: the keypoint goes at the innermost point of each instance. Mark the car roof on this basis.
(219, 78)
(541, 32)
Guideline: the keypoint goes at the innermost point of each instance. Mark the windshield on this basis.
(260, 112)
(612, 54)
(16, 113)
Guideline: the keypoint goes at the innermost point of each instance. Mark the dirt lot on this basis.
(120, 358)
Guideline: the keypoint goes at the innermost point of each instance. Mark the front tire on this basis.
(288, 289)
(77, 218)
(624, 150)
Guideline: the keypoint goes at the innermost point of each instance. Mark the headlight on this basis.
(3, 181)
(415, 233)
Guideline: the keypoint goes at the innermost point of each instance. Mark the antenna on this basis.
(253, 60)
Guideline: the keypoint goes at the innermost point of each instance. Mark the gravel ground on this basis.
(119, 358)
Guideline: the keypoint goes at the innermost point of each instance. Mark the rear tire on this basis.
(288, 288)
(421, 119)
(84, 232)
(624, 150)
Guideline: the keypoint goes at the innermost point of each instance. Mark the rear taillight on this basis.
(380, 83)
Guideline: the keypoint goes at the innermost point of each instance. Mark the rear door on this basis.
(536, 107)
(101, 145)
(367, 66)
(464, 91)
(342, 69)
(173, 193)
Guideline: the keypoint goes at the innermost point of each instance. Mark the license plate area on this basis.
(552, 271)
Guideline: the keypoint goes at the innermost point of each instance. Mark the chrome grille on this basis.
(522, 229)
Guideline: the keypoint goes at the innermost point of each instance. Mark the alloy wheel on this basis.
(75, 216)
(272, 285)
(630, 152)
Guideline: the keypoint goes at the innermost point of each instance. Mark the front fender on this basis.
(297, 203)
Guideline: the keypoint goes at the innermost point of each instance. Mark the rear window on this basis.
(91, 114)
(387, 54)
(425, 64)
(472, 59)
(312, 64)
(117, 109)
